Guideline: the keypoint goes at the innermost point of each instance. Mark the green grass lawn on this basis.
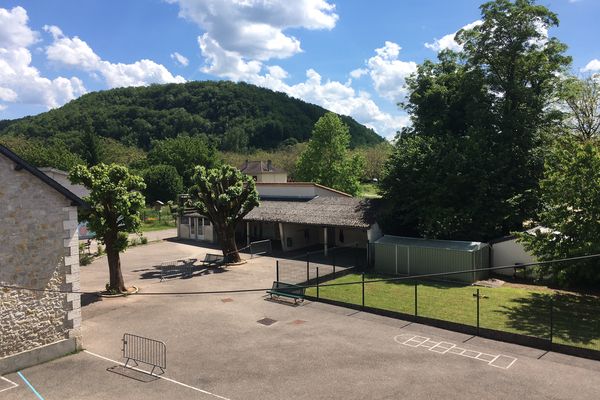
(152, 222)
(369, 190)
(510, 309)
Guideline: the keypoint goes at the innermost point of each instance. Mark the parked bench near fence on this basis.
(145, 350)
(288, 290)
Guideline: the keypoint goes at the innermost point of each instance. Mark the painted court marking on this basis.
(11, 383)
(495, 360)
(39, 396)
(159, 376)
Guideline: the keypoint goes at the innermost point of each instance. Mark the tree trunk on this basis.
(114, 269)
(228, 245)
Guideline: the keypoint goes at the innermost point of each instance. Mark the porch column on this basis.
(282, 236)
(247, 233)
(325, 240)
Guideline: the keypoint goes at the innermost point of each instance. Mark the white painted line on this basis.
(159, 376)
(14, 384)
(513, 360)
(444, 349)
(471, 352)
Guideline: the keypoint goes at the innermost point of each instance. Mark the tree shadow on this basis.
(575, 318)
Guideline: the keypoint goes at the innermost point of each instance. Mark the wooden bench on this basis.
(213, 260)
(288, 290)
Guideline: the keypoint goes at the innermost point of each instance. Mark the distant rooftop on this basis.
(260, 167)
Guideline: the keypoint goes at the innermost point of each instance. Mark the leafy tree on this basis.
(183, 153)
(582, 97)
(326, 159)
(375, 158)
(225, 195)
(570, 196)
(91, 148)
(487, 111)
(42, 154)
(116, 202)
(163, 183)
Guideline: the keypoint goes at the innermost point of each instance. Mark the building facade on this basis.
(40, 251)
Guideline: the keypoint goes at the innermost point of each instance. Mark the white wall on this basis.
(294, 190)
(271, 177)
(352, 238)
(297, 234)
(509, 252)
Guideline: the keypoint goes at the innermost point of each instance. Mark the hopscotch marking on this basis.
(494, 360)
(13, 384)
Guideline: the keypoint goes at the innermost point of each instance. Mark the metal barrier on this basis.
(145, 350)
(179, 267)
(260, 248)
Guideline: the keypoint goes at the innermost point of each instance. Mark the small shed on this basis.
(415, 256)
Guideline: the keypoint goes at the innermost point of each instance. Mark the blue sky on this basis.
(350, 56)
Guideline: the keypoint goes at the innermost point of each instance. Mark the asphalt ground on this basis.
(217, 349)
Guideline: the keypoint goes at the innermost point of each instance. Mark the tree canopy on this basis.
(115, 201)
(234, 117)
(326, 159)
(163, 183)
(225, 195)
(469, 165)
(569, 215)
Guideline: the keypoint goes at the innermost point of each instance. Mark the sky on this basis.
(349, 56)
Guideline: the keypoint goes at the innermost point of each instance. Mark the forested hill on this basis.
(234, 116)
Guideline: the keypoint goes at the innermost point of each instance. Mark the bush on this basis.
(163, 183)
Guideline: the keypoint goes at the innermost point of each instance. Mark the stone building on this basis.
(38, 250)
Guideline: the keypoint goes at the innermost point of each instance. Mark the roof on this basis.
(62, 178)
(531, 231)
(340, 212)
(305, 184)
(22, 164)
(260, 167)
(431, 243)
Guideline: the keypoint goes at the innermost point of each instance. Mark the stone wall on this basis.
(38, 249)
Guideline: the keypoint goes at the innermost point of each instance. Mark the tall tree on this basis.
(582, 97)
(163, 183)
(183, 153)
(570, 196)
(225, 195)
(487, 109)
(327, 160)
(116, 202)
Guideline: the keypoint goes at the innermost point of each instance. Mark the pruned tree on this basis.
(116, 201)
(225, 195)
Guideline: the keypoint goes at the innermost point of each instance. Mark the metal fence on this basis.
(550, 320)
(260, 248)
(307, 267)
(144, 350)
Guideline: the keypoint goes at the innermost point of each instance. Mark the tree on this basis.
(570, 196)
(116, 202)
(583, 102)
(327, 161)
(225, 195)
(163, 183)
(183, 153)
(488, 109)
(42, 154)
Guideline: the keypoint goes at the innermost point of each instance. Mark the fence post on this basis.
(416, 299)
(363, 290)
(477, 312)
(551, 319)
(277, 270)
(317, 283)
(333, 255)
(307, 267)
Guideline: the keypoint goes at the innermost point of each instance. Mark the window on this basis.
(289, 242)
(206, 222)
(184, 220)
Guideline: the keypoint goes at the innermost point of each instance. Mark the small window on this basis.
(255, 177)
(289, 242)
(184, 220)
(206, 222)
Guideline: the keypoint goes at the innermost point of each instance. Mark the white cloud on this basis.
(180, 59)
(240, 34)
(388, 72)
(359, 72)
(592, 66)
(20, 82)
(76, 53)
(448, 42)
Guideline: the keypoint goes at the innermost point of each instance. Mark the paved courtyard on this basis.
(217, 349)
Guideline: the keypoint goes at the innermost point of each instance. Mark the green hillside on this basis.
(233, 116)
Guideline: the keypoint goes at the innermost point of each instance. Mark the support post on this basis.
(277, 271)
(307, 267)
(416, 300)
(478, 312)
(317, 282)
(551, 319)
(363, 290)
(325, 241)
(247, 233)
